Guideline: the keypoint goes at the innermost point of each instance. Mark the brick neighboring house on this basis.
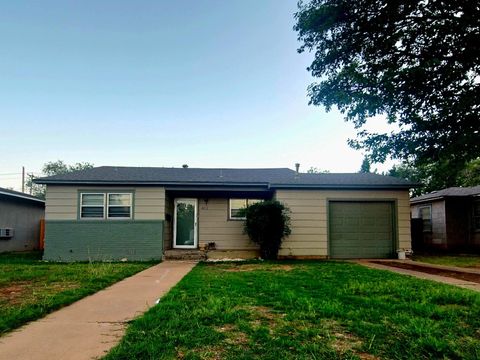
(450, 219)
(20, 216)
(138, 213)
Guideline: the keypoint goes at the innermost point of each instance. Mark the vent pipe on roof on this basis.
(297, 167)
(184, 166)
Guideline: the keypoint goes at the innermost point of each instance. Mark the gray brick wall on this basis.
(136, 240)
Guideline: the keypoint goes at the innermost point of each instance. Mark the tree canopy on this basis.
(417, 63)
(49, 169)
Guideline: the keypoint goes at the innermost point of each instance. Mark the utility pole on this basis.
(23, 179)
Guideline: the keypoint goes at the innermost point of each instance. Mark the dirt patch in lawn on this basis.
(21, 292)
(345, 342)
(233, 335)
(434, 271)
(206, 352)
(256, 267)
(15, 293)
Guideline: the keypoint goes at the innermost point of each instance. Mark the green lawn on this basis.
(468, 261)
(30, 288)
(305, 310)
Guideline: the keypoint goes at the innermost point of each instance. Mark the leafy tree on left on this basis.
(49, 169)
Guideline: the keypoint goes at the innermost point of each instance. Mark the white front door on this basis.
(185, 224)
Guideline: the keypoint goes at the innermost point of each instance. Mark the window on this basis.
(476, 215)
(105, 205)
(426, 216)
(92, 206)
(119, 206)
(237, 207)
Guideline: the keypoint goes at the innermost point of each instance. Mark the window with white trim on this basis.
(476, 215)
(425, 213)
(238, 206)
(106, 205)
(92, 206)
(119, 206)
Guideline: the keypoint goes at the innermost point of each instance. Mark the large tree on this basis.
(417, 63)
(49, 169)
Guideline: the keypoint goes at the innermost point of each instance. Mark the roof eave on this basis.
(341, 186)
(22, 197)
(160, 183)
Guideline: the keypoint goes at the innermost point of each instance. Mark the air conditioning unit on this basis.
(6, 233)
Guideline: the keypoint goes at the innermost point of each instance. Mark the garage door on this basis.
(361, 229)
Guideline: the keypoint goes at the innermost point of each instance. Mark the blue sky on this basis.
(209, 83)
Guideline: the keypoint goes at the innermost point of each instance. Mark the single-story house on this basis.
(139, 213)
(450, 219)
(20, 216)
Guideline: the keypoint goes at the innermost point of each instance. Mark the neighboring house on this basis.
(139, 213)
(450, 219)
(20, 216)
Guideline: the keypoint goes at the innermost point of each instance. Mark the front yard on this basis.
(305, 310)
(30, 288)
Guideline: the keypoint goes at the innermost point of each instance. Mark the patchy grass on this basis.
(305, 310)
(30, 288)
(467, 261)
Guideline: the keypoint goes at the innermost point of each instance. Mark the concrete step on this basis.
(184, 254)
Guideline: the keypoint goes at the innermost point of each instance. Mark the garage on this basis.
(361, 229)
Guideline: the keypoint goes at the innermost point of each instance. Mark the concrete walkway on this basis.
(443, 279)
(88, 328)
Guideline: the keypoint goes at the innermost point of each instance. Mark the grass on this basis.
(30, 288)
(467, 261)
(305, 310)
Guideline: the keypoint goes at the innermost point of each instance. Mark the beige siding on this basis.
(309, 217)
(150, 203)
(62, 201)
(214, 226)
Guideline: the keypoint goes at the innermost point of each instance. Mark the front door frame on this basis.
(195, 224)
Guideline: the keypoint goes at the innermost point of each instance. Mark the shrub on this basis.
(267, 224)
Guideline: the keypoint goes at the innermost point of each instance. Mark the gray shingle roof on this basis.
(448, 192)
(18, 194)
(273, 177)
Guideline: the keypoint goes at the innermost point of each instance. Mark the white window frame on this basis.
(423, 224)
(107, 206)
(475, 216)
(81, 205)
(230, 217)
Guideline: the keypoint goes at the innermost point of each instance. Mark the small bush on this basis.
(267, 224)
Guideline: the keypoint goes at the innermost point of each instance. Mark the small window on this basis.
(237, 207)
(119, 206)
(476, 215)
(92, 206)
(426, 216)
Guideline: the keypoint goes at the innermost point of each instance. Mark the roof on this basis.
(269, 177)
(19, 195)
(448, 192)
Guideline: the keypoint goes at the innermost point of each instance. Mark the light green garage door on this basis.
(361, 229)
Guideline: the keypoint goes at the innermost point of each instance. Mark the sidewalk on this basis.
(443, 279)
(93, 325)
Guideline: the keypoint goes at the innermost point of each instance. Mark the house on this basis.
(139, 213)
(450, 219)
(20, 216)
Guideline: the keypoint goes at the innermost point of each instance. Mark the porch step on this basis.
(177, 254)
